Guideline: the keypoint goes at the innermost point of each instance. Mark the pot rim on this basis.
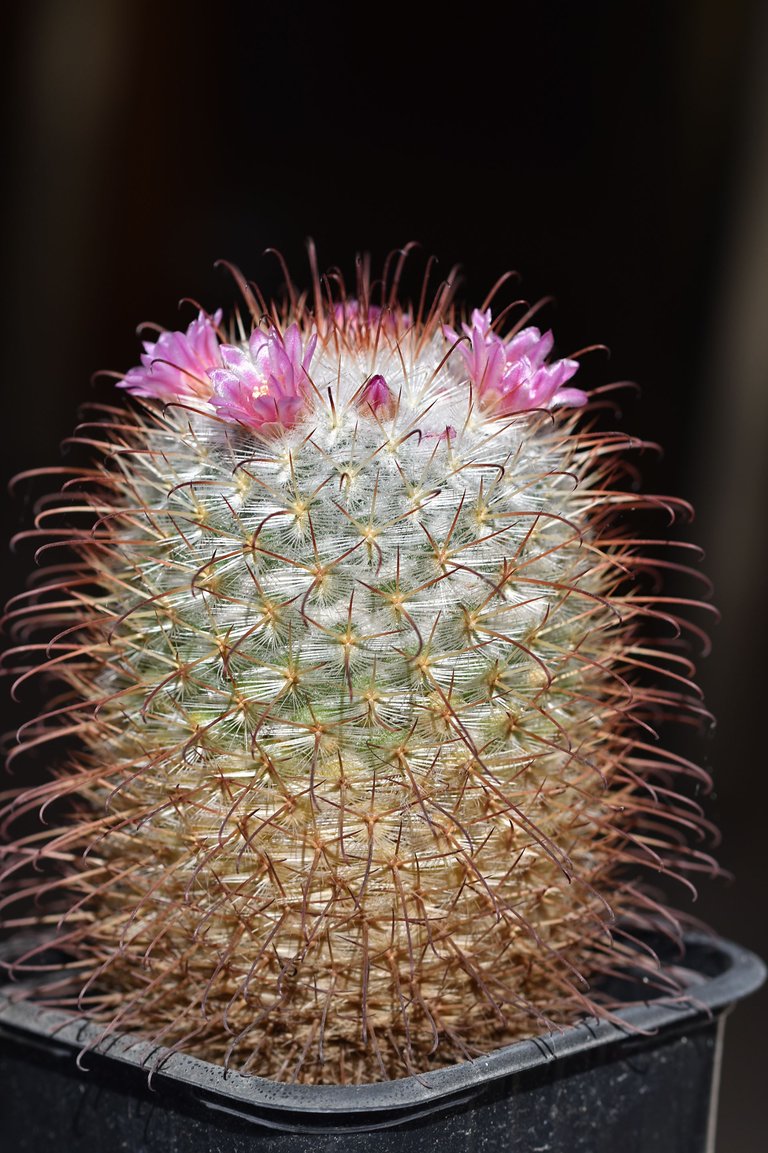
(720, 974)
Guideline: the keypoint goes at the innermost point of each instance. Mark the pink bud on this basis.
(376, 393)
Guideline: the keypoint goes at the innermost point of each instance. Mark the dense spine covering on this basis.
(352, 650)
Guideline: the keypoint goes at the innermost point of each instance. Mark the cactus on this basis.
(357, 668)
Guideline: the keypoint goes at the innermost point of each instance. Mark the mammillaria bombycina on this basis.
(358, 664)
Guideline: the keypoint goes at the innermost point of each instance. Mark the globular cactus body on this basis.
(351, 653)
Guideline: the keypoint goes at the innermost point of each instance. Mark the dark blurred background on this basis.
(615, 154)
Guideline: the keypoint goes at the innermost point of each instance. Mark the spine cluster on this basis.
(353, 660)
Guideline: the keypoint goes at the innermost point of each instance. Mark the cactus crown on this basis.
(353, 650)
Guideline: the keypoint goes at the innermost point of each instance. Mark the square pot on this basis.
(591, 1087)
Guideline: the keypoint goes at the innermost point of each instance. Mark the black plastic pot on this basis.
(586, 1089)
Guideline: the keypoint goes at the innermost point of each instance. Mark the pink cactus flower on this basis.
(267, 384)
(512, 375)
(176, 364)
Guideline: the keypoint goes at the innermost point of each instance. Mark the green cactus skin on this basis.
(362, 781)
